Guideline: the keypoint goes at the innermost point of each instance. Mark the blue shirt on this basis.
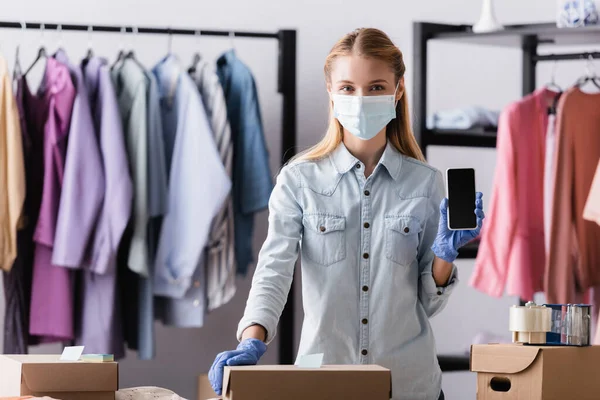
(252, 179)
(367, 285)
(198, 182)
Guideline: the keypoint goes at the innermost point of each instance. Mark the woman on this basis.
(363, 208)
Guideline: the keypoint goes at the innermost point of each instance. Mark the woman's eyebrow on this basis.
(345, 81)
(378, 81)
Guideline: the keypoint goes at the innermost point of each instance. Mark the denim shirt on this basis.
(367, 282)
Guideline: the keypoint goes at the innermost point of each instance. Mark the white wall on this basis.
(455, 80)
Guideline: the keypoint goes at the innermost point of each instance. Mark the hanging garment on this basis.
(511, 254)
(220, 258)
(101, 331)
(252, 179)
(195, 169)
(132, 88)
(83, 184)
(16, 276)
(549, 178)
(574, 257)
(157, 203)
(12, 171)
(52, 295)
(591, 211)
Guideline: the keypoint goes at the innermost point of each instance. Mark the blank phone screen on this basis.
(461, 198)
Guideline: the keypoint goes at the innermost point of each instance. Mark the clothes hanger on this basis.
(90, 51)
(590, 75)
(197, 56)
(169, 42)
(42, 54)
(231, 40)
(17, 67)
(552, 84)
(121, 55)
(131, 53)
(59, 46)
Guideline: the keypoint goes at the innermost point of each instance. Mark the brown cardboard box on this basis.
(348, 382)
(46, 375)
(205, 390)
(512, 371)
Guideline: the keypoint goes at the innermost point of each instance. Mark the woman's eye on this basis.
(376, 88)
(346, 89)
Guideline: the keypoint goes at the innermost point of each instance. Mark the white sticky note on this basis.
(310, 361)
(71, 353)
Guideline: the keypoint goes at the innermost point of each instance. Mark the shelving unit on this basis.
(525, 37)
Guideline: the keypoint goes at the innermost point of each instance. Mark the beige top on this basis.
(573, 263)
(591, 211)
(12, 170)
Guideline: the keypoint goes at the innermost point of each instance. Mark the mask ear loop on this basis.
(395, 93)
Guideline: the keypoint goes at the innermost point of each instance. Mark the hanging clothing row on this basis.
(129, 196)
(536, 238)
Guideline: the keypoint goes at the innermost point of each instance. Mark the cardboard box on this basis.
(205, 390)
(46, 375)
(348, 382)
(512, 371)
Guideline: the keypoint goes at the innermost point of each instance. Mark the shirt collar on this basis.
(91, 72)
(391, 159)
(227, 57)
(167, 73)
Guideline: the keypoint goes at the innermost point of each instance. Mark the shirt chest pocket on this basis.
(324, 238)
(401, 239)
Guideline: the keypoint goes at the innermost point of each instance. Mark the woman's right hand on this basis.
(248, 352)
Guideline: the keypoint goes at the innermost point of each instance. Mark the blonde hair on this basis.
(369, 43)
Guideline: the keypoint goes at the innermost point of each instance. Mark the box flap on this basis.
(275, 382)
(10, 381)
(49, 374)
(502, 358)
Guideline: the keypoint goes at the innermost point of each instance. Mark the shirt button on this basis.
(197, 284)
(357, 165)
(196, 303)
(365, 321)
(406, 230)
(365, 288)
(439, 292)
(366, 255)
(367, 193)
(364, 352)
(366, 225)
(322, 229)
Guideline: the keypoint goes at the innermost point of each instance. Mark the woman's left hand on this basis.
(447, 242)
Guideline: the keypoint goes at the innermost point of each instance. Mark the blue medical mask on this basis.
(364, 116)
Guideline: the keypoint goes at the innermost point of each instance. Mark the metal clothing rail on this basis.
(286, 85)
(568, 56)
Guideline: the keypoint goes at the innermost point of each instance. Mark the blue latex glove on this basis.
(248, 352)
(448, 242)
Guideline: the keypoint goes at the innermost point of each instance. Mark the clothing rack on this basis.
(286, 86)
(526, 37)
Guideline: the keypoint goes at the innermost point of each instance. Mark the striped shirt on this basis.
(220, 267)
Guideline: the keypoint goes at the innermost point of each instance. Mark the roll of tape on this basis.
(529, 319)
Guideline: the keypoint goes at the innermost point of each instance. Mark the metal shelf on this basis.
(469, 251)
(515, 35)
(467, 138)
(454, 363)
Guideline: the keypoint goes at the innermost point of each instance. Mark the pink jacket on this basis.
(511, 254)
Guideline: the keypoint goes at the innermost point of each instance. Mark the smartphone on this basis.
(460, 186)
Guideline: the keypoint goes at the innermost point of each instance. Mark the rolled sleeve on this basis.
(277, 259)
(433, 298)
